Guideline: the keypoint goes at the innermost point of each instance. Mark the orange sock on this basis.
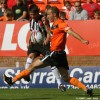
(77, 83)
(21, 75)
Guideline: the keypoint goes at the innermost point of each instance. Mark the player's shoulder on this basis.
(59, 21)
(62, 24)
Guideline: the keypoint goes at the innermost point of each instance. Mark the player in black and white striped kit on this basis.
(38, 42)
(36, 46)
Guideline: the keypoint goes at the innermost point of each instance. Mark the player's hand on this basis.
(85, 42)
(45, 42)
(45, 21)
(28, 45)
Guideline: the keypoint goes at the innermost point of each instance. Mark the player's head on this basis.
(53, 13)
(34, 11)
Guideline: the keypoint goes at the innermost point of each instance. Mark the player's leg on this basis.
(71, 80)
(36, 64)
(56, 74)
(32, 54)
(29, 61)
(74, 81)
(49, 59)
(58, 78)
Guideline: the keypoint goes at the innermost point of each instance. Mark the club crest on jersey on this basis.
(54, 26)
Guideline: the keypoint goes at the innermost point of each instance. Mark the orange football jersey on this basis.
(58, 35)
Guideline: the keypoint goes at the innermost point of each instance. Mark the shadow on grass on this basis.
(27, 99)
(96, 95)
(83, 94)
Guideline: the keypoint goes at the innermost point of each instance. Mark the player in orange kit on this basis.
(57, 56)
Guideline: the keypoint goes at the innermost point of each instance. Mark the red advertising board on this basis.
(89, 30)
(13, 37)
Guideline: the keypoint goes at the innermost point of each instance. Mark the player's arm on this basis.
(47, 28)
(29, 39)
(47, 39)
(77, 36)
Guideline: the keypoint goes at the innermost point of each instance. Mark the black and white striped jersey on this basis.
(37, 28)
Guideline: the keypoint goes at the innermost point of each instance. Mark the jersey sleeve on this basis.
(64, 26)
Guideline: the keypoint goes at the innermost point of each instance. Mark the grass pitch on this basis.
(46, 94)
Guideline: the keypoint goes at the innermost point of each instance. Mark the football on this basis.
(37, 37)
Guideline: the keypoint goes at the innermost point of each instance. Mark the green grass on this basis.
(46, 94)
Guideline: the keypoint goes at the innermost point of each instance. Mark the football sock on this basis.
(56, 74)
(22, 74)
(28, 62)
(77, 83)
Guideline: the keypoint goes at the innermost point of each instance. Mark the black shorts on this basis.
(39, 49)
(58, 59)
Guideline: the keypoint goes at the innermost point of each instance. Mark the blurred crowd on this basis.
(17, 10)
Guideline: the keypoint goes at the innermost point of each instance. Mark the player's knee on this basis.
(31, 56)
(31, 67)
(73, 81)
(65, 78)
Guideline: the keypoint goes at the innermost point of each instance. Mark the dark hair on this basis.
(3, 1)
(55, 10)
(28, 2)
(34, 8)
(62, 14)
(97, 12)
(47, 7)
(9, 13)
(67, 2)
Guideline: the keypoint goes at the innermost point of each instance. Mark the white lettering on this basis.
(76, 70)
(22, 37)
(50, 79)
(88, 77)
(35, 75)
(9, 72)
(7, 40)
(97, 74)
(42, 77)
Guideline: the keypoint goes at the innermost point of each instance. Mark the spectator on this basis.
(28, 2)
(0, 4)
(90, 7)
(97, 15)
(78, 13)
(62, 15)
(11, 3)
(3, 7)
(69, 8)
(20, 11)
(8, 15)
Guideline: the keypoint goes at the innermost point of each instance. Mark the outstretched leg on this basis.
(36, 64)
(74, 81)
